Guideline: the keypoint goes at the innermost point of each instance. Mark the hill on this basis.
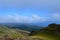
(15, 34)
(52, 32)
(25, 27)
(7, 31)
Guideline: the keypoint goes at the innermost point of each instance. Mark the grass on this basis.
(47, 36)
(10, 32)
(40, 35)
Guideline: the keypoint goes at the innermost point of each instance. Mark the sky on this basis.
(30, 11)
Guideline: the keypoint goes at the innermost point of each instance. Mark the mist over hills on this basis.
(42, 24)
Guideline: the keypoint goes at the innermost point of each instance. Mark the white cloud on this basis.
(56, 16)
(22, 19)
(37, 18)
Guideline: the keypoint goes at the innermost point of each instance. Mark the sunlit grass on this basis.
(45, 36)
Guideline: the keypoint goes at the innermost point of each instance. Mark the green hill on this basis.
(7, 31)
(52, 32)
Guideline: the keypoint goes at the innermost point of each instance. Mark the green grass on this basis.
(14, 35)
(41, 35)
(10, 32)
(47, 36)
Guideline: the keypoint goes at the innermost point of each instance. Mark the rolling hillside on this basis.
(15, 34)
(52, 32)
(6, 31)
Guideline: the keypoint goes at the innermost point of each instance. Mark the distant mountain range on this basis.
(27, 27)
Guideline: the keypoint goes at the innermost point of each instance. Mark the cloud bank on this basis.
(33, 18)
(51, 6)
(56, 16)
(22, 19)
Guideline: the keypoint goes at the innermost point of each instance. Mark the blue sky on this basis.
(30, 11)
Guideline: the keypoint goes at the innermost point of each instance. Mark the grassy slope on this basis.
(46, 36)
(7, 31)
(13, 33)
(49, 33)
